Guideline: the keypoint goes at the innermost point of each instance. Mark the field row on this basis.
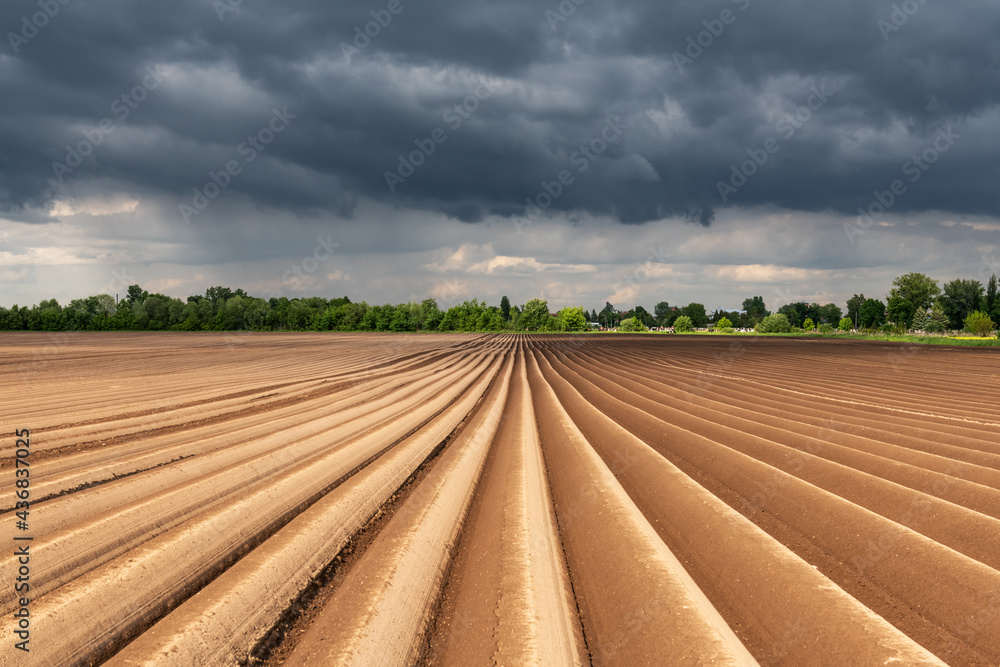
(447, 499)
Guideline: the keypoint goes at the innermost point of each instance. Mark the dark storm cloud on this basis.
(694, 85)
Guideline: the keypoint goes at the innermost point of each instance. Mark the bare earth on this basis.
(382, 499)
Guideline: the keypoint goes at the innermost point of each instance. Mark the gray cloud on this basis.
(690, 119)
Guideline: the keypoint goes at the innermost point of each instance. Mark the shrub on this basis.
(728, 330)
(572, 319)
(826, 328)
(631, 325)
(723, 323)
(979, 323)
(890, 328)
(775, 323)
(934, 327)
(683, 324)
(937, 319)
(845, 324)
(808, 325)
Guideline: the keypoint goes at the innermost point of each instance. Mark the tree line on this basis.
(226, 309)
(915, 302)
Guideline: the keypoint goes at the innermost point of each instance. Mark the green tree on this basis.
(697, 313)
(206, 312)
(49, 316)
(723, 323)
(991, 294)
(663, 313)
(683, 324)
(449, 320)
(854, 308)
(916, 289)
(808, 325)
(920, 321)
(515, 317)
(644, 316)
(776, 323)
(490, 319)
(505, 308)
(719, 313)
(399, 318)
(979, 323)
(189, 318)
(795, 312)
(901, 311)
(632, 325)
(158, 311)
(472, 315)
(755, 309)
(140, 318)
(353, 316)
(830, 313)
(176, 310)
(872, 314)
(535, 316)
(233, 314)
(937, 319)
(219, 295)
(430, 315)
(572, 318)
(960, 298)
(105, 304)
(136, 294)
(607, 315)
(845, 324)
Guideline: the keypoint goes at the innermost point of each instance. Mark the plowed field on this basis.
(370, 499)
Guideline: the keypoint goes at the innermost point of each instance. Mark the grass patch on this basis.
(967, 341)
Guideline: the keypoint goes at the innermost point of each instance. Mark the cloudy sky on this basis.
(626, 150)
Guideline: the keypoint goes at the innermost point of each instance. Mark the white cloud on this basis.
(94, 206)
(502, 264)
(778, 254)
(768, 273)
